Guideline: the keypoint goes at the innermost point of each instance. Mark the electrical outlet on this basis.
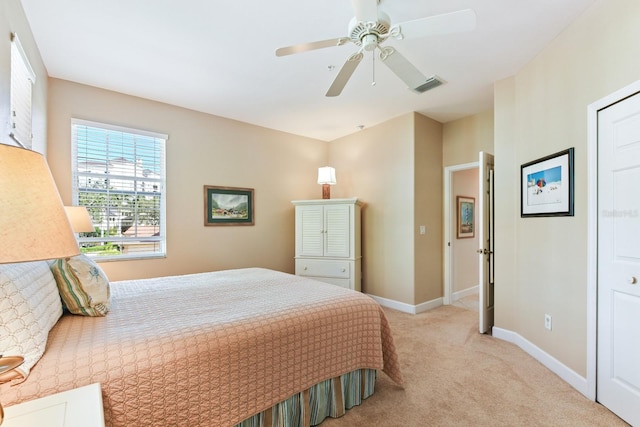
(547, 321)
(423, 229)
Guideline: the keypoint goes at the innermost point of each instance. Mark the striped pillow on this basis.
(83, 286)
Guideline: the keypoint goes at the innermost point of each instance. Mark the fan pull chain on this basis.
(373, 68)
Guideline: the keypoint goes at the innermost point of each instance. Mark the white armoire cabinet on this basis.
(328, 244)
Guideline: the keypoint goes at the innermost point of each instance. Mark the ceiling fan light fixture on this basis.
(431, 83)
(369, 42)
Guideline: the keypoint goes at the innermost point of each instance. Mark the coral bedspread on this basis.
(211, 349)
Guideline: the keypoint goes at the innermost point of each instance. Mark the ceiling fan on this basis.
(370, 28)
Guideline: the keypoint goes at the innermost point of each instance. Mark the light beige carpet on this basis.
(455, 376)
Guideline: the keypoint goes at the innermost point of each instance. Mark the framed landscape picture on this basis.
(466, 217)
(228, 206)
(546, 186)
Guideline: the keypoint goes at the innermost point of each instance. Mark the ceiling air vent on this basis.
(430, 83)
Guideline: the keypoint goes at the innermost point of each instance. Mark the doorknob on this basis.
(484, 251)
(632, 280)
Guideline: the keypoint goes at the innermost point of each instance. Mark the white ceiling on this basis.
(219, 57)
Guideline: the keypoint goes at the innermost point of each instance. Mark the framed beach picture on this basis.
(228, 206)
(466, 217)
(546, 186)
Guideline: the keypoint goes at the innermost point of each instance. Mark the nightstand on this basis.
(80, 407)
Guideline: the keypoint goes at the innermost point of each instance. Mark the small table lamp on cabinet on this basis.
(33, 223)
(326, 177)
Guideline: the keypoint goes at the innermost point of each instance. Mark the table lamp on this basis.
(326, 177)
(79, 219)
(33, 223)
(8, 363)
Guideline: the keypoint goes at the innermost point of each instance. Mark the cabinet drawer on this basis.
(320, 268)
(343, 283)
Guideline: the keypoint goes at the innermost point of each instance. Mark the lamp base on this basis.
(326, 191)
(7, 363)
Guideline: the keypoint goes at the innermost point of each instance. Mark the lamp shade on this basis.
(33, 223)
(79, 219)
(326, 175)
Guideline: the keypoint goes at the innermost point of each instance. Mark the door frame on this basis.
(592, 228)
(448, 175)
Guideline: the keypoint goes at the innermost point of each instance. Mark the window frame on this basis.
(76, 174)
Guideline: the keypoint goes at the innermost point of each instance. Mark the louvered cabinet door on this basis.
(310, 231)
(337, 230)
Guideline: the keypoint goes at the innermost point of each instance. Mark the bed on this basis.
(239, 347)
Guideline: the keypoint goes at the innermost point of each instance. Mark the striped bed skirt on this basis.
(330, 398)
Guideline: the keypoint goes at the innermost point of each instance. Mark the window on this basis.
(119, 176)
(22, 79)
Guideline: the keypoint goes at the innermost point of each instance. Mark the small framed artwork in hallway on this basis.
(466, 217)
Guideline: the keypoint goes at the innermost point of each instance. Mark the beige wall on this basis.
(376, 165)
(463, 139)
(13, 19)
(464, 259)
(428, 254)
(541, 263)
(395, 168)
(202, 150)
(507, 212)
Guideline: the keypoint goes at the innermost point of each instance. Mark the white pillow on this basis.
(29, 307)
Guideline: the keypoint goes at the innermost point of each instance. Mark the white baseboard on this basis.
(407, 308)
(465, 292)
(553, 364)
(429, 305)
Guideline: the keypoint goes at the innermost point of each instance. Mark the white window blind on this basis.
(119, 176)
(22, 79)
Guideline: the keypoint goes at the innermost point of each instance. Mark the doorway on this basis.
(460, 257)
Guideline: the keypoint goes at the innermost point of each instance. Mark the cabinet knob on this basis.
(344, 269)
(632, 280)
(305, 268)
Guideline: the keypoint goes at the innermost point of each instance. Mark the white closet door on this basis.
(618, 379)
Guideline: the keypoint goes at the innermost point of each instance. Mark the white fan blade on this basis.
(402, 68)
(345, 74)
(447, 23)
(365, 10)
(304, 47)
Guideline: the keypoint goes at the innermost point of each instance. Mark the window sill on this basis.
(127, 257)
